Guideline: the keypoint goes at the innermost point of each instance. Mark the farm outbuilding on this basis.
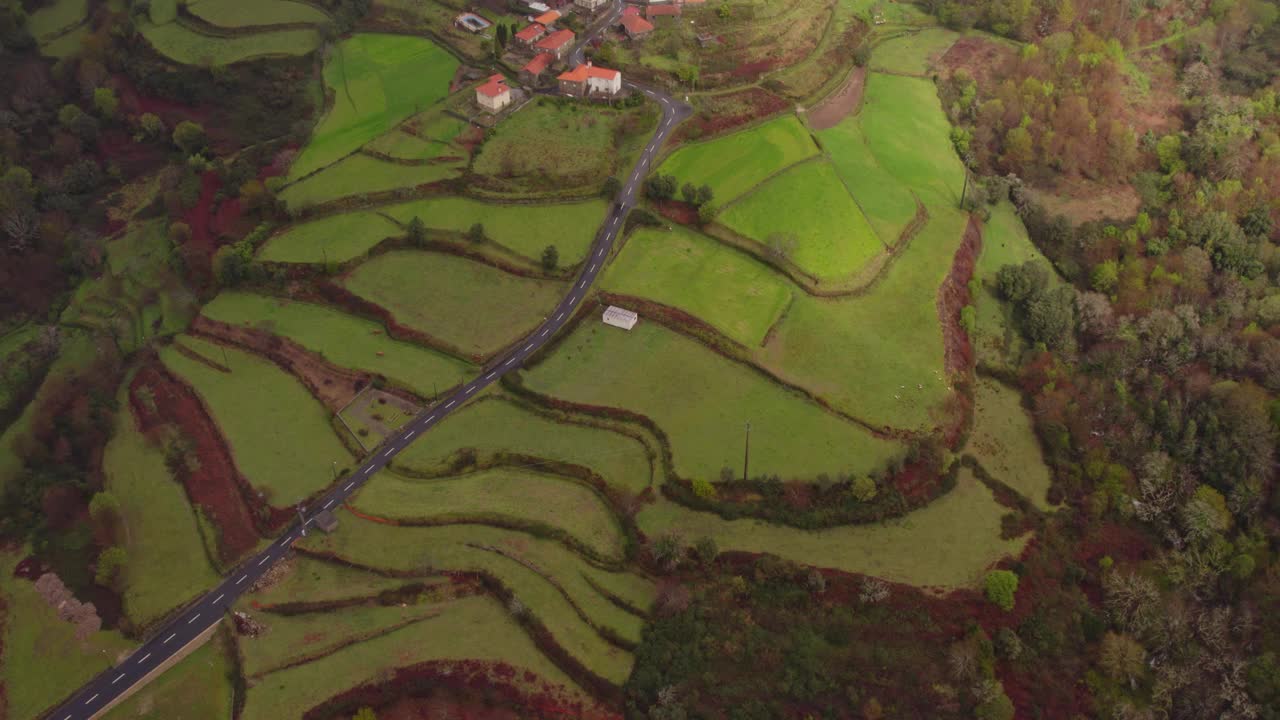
(620, 317)
(326, 521)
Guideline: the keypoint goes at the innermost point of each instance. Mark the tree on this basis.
(105, 102)
(702, 488)
(996, 707)
(1122, 657)
(68, 114)
(550, 258)
(667, 551)
(1001, 586)
(690, 193)
(189, 137)
(179, 232)
(150, 126)
(706, 550)
(612, 186)
(367, 713)
(1050, 317)
(1104, 276)
(707, 213)
(110, 563)
(1016, 283)
(502, 35)
(705, 194)
(417, 230)
(863, 488)
(660, 187)
(476, 233)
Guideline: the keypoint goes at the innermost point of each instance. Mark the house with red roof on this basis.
(630, 10)
(557, 43)
(588, 80)
(530, 35)
(548, 18)
(533, 70)
(494, 94)
(653, 11)
(635, 26)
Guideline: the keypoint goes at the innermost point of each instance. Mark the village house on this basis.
(591, 5)
(654, 11)
(635, 26)
(588, 80)
(557, 43)
(532, 72)
(494, 94)
(530, 35)
(548, 18)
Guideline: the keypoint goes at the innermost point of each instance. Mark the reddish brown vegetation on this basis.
(954, 295)
(726, 112)
(978, 55)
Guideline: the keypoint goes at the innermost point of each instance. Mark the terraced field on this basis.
(186, 46)
(361, 174)
(338, 238)
(252, 13)
(735, 163)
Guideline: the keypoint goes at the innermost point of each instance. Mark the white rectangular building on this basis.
(619, 317)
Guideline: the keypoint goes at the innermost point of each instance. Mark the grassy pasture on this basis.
(314, 580)
(638, 370)
(518, 494)
(948, 543)
(886, 201)
(476, 307)
(360, 174)
(65, 46)
(188, 47)
(859, 352)
(342, 339)
(493, 425)
(377, 81)
(735, 163)
(197, 688)
(833, 237)
(1005, 442)
(279, 434)
(475, 628)
(336, 238)
(248, 13)
(909, 136)
(737, 294)
(524, 229)
(912, 54)
(45, 22)
(43, 661)
(407, 146)
(167, 561)
(460, 548)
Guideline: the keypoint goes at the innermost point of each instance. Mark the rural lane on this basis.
(199, 616)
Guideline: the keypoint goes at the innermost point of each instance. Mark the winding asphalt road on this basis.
(199, 616)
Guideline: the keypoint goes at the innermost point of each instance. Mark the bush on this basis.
(968, 319)
(1001, 586)
(110, 563)
(707, 213)
(703, 488)
(550, 258)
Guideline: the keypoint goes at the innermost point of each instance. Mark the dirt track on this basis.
(841, 104)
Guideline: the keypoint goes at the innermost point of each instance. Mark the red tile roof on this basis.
(634, 24)
(582, 72)
(496, 86)
(538, 63)
(630, 10)
(555, 40)
(656, 10)
(531, 33)
(547, 17)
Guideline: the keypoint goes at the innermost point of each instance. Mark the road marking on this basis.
(348, 487)
(593, 267)
(166, 640)
(388, 452)
(144, 658)
(582, 284)
(95, 697)
(193, 618)
(118, 679)
(242, 577)
(450, 403)
(489, 376)
(326, 505)
(509, 361)
(471, 389)
(263, 560)
(528, 347)
(544, 332)
(215, 600)
(559, 316)
(411, 434)
(429, 419)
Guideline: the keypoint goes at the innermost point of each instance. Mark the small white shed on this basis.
(619, 317)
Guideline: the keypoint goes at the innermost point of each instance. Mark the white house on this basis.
(591, 80)
(618, 317)
(591, 5)
(494, 94)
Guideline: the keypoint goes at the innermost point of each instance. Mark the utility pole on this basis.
(746, 459)
(335, 470)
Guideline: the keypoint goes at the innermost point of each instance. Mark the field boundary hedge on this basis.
(199, 25)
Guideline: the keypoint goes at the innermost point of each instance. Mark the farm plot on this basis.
(503, 494)
(431, 137)
(342, 339)
(909, 136)
(250, 13)
(1004, 441)
(887, 202)
(197, 688)
(168, 562)
(701, 401)
(735, 163)
(377, 81)
(279, 434)
(186, 46)
(47, 22)
(493, 427)
(361, 174)
(913, 53)
(878, 356)
(947, 544)
(338, 238)
(736, 293)
(511, 558)
(523, 229)
(308, 579)
(469, 305)
(809, 212)
(549, 145)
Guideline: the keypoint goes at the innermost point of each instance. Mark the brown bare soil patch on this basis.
(215, 486)
(1086, 201)
(677, 211)
(979, 56)
(841, 104)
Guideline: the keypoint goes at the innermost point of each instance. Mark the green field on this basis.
(407, 146)
(1004, 242)
(188, 47)
(524, 229)
(701, 400)
(473, 306)
(360, 174)
(43, 662)
(832, 237)
(377, 81)
(248, 13)
(45, 22)
(311, 580)
(735, 163)
(739, 295)
(65, 46)
(1004, 441)
(280, 435)
(910, 137)
(342, 339)
(476, 628)
(336, 238)
(911, 54)
(946, 544)
(521, 495)
(197, 688)
(886, 201)
(491, 426)
(167, 561)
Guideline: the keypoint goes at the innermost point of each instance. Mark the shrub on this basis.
(476, 233)
(703, 488)
(550, 258)
(968, 319)
(110, 563)
(1001, 586)
(707, 213)
(863, 488)
(706, 550)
